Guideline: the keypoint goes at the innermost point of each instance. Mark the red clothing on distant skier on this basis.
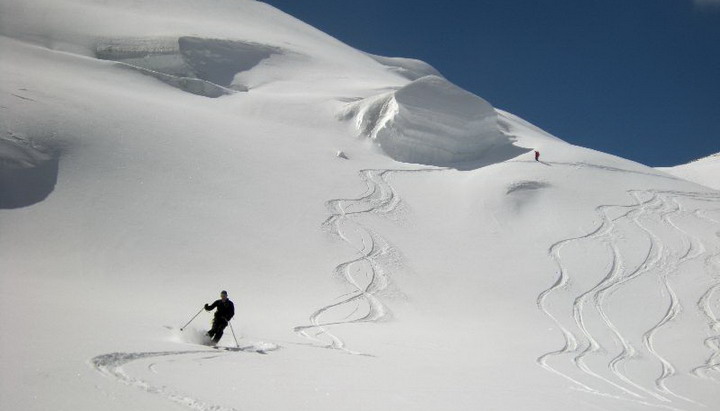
(537, 155)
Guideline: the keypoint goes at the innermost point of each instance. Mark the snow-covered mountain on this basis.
(388, 238)
(703, 171)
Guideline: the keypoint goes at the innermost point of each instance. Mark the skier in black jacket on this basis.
(225, 312)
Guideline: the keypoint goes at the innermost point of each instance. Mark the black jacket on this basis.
(225, 310)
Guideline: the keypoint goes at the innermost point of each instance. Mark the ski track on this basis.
(370, 273)
(650, 211)
(711, 369)
(112, 365)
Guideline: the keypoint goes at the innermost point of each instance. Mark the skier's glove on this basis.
(207, 307)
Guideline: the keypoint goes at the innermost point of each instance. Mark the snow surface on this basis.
(411, 69)
(705, 171)
(431, 121)
(580, 281)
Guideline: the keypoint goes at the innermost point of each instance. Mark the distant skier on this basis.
(537, 155)
(224, 313)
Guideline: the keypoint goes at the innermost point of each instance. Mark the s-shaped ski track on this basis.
(369, 274)
(652, 216)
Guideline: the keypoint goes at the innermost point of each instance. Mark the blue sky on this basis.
(636, 78)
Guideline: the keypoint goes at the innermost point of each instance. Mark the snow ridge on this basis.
(431, 121)
(411, 69)
(591, 329)
(201, 66)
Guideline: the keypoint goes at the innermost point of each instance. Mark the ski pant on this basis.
(216, 332)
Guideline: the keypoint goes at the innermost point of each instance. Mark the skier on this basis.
(537, 155)
(225, 312)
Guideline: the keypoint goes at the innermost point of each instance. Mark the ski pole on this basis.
(233, 333)
(188, 323)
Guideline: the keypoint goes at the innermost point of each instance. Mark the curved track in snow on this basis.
(614, 348)
(369, 274)
(711, 368)
(112, 365)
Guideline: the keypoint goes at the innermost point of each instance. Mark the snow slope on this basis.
(704, 171)
(392, 279)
